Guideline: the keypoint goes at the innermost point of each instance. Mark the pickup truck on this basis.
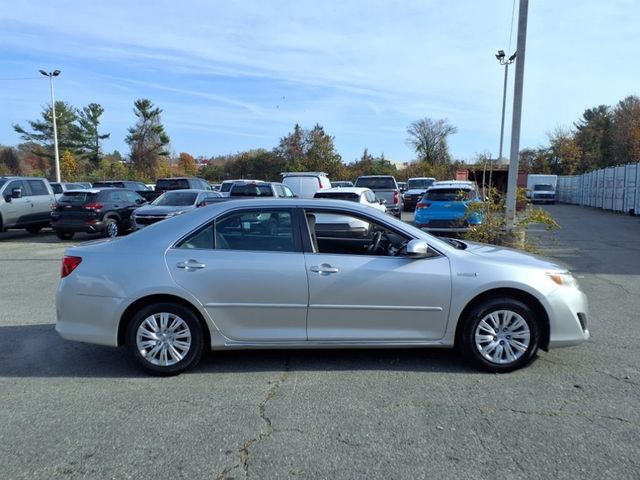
(386, 188)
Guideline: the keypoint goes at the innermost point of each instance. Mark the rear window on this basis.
(78, 197)
(542, 187)
(419, 183)
(251, 190)
(448, 194)
(375, 183)
(352, 197)
(172, 184)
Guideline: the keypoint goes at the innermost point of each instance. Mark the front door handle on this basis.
(190, 265)
(324, 269)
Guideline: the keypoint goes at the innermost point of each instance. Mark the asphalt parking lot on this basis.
(82, 411)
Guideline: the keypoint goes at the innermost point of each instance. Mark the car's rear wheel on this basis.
(33, 229)
(111, 228)
(64, 234)
(500, 335)
(165, 338)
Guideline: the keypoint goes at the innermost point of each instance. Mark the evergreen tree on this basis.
(147, 139)
(89, 121)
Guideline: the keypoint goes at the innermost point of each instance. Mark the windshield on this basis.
(419, 183)
(108, 184)
(352, 197)
(448, 194)
(542, 186)
(376, 183)
(176, 198)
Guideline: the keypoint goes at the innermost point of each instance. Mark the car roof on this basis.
(188, 190)
(304, 174)
(420, 178)
(453, 184)
(357, 190)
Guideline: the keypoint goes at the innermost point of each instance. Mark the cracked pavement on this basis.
(82, 411)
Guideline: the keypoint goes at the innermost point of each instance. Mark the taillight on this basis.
(320, 183)
(421, 205)
(69, 264)
(92, 206)
(395, 197)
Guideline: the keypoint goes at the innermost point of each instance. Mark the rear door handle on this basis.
(324, 269)
(190, 265)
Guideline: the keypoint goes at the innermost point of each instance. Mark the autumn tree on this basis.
(309, 150)
(594, 138)
(428, 137)
(147, 139)
(626, 130)
(10, 162)
(68, 167)
(89, 122)
(187, 164)
(564, 150)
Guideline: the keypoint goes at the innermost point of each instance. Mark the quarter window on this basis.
(37, 187)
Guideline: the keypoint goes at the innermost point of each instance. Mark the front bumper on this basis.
(568, 317)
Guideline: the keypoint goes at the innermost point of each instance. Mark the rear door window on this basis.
(37, 187)
(375, 183)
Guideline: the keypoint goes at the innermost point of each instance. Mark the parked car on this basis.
(444, 207)
(260, 189)
(225, 187)
(25, 202)
(140, 188)
(97, 210)
(416, 187)
(170, 204)
(221, 278)
(365, 196)
(341, 226)
(341, 183)
(181, 183)
(306, 184)
(60, 187)
(385, 188)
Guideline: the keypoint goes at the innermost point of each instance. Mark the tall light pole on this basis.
(55, 73)
(501, 58)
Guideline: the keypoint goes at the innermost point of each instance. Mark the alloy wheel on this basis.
(502, 337)
(163, 339)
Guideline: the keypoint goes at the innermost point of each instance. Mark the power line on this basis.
(18, 78)
(513, 12)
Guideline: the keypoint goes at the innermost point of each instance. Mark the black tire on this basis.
(111, 228)
(64, 234)
(33, 229)
(146, 357)
(519, 317)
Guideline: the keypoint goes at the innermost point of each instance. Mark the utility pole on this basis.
(512, 182)
(55, 73)
(500, 56)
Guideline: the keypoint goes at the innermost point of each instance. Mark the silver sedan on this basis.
(283, 274)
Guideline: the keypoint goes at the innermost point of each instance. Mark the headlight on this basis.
(564, 279)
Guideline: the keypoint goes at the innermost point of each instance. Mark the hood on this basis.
(162, 209)
(512, 256)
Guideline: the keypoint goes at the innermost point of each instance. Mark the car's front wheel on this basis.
(500, 335)
(64, 234)
(165, 338)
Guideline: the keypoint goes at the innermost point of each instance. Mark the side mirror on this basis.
(16, 193)
(140, 201)
(417, 249)
(203, 203)
(382, 201)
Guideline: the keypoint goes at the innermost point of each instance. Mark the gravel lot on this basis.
(81, 411)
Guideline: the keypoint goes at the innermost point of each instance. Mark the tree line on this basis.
(604, 136)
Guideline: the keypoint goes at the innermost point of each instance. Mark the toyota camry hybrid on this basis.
(288, 274)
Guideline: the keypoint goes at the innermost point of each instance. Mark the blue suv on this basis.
(444, 207)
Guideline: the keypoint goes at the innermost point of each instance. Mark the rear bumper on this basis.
(78, 225)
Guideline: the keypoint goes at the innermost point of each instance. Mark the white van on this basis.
(306, 184)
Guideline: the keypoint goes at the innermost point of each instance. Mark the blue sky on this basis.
(235, 75)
